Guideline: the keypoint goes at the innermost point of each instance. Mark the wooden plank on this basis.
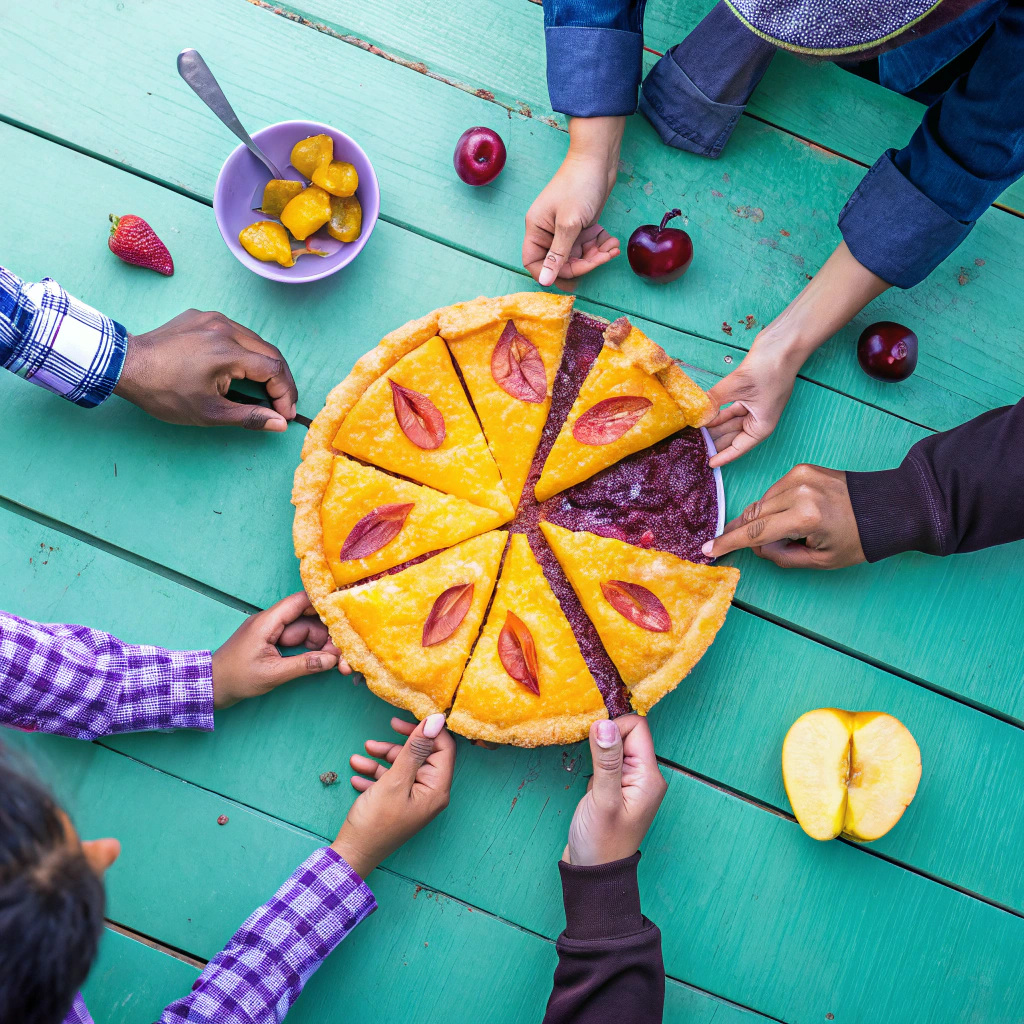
(744, 267)
(205, 492)
(754, 900)
(726, 722)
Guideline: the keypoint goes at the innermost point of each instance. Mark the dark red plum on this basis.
(479, 156)
(660, 253)
(887, 351)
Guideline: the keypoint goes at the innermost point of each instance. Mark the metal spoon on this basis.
(193, 69)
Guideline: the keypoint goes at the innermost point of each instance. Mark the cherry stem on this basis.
(668, 216)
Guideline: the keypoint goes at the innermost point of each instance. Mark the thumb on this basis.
(418, 747)
(284, 670)
(566, 233)
(606, 753)
(222, 412)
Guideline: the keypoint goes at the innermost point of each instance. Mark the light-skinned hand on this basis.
(396, 799)
(563, 238)
(622, 797)
(249, 663)
(181, 373)
(805, 521)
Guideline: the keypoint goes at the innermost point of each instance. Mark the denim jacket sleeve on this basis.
(916, 205)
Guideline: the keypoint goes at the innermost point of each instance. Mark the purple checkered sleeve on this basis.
(83, 683)
(57, 342)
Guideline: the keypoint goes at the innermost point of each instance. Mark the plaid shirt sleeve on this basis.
(57, 342)
(79, 682)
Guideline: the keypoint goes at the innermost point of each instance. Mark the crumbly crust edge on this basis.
(542, 733)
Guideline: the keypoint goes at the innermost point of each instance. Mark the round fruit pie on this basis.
(500, 514)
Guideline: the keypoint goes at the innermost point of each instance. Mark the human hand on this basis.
(181, 373)
(805, 521)
(397, 799)
(249, 664)
(563, 240)
(622, 797)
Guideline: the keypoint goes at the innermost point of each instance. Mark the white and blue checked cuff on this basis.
(57, 342)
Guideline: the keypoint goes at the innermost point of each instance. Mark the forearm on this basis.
(961, 490)
(596, 141)
(257, 977)
(83, 683)
(610, 965)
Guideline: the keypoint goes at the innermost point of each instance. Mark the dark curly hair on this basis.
(51, 903)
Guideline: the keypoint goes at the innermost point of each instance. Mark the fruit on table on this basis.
(134, 241)
(309, 211)
(479, 156)
(310, 154)
(268, 241)
(337, 177)
(660, 253)
(887, 351)
(346, 218)
(849, 773)
(277, 194)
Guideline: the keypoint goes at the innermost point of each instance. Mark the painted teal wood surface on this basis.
(726, 722)
(206, 492)
(970, 359)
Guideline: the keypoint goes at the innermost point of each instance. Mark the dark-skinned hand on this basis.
(181, 373)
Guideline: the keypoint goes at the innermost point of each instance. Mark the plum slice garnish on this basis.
(421, 421)
(637, 604)
(518, 653)
(609, 419)
(374, 530)
(517, 367)
(447, 614)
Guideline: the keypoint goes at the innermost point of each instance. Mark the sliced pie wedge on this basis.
(378, 521)
(656, 613)
(410, 633)
(527, 682)
(415, 420)
(509, 350)
(633, 397)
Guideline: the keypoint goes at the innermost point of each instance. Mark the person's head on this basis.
(51, 900)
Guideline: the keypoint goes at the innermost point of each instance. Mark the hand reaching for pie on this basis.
(622, 797)
(249, 663)
(181, 373)
(396, 800)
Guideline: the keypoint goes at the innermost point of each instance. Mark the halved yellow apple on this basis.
(849, 773)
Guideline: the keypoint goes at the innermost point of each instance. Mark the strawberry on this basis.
(134, 241)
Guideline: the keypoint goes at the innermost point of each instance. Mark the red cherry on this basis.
(479, 156)
(659, 253)
(887, 351)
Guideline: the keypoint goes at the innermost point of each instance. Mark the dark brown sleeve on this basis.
(960, 490)
(609, 956)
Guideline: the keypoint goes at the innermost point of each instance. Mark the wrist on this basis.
(347, 846)
(596, 138)
(131, 372)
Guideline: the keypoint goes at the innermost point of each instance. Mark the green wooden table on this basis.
(171, 535)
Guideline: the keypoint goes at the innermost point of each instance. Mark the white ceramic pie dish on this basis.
(719, 489)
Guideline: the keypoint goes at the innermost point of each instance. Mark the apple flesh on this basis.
(660, 253)
(479, 156)
(887, 351)
(849, 773)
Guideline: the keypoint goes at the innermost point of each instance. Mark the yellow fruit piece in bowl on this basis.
(309, 211)
(337, 177)
(309, 154)
(346, 218)
(266, 240)
(849, 773)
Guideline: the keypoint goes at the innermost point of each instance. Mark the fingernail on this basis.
(707, 548)
(547, 275)
(607, 733)
(432, 725)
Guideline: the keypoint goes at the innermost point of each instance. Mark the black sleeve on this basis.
(960, 490)
(609, 956)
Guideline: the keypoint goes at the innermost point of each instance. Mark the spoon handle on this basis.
(194, 70)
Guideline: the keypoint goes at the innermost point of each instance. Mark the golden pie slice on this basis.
(633, 397)
(410, 633)
(527, 682)
(656, 613)
(372, 521)
(509, 350)
(415, 420)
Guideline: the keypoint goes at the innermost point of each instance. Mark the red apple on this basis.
(887, 351)
(479, 156)
(659, 253)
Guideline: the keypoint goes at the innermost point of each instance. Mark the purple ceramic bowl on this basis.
(242, 174)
